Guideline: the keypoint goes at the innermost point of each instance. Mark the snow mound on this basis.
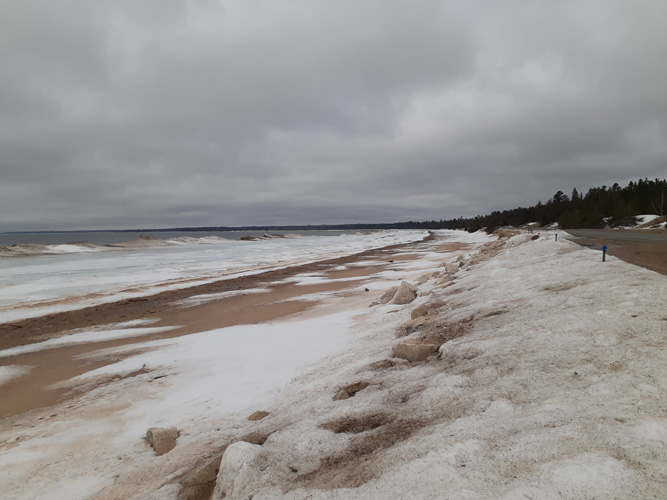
(535, 398)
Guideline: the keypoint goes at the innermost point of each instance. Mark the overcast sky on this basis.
(153, 113)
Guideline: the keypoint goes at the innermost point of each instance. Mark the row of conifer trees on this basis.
(599, 207)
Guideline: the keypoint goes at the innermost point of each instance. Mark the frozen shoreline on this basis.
(554, 391)
(46, 284)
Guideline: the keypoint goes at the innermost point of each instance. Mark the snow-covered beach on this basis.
(53, 278)
(549, 383)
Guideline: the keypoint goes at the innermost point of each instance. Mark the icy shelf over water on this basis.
(35, 285)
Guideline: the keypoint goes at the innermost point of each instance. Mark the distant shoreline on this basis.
(113, 238)
(306, 227)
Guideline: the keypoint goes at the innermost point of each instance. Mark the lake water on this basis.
(114, 237)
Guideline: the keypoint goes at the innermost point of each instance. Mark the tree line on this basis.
(599, 207)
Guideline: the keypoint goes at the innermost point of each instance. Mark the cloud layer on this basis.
(125, 114)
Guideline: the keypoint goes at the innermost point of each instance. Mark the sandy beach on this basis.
(547, 382)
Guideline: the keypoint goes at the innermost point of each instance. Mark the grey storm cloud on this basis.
(123, 114)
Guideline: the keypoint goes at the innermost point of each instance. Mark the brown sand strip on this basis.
(156, 306)
(49, 367)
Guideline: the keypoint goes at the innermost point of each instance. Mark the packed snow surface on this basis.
(645, 219)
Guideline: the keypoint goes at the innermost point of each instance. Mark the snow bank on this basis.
(647, 218)
(554, 392)
(651, 221)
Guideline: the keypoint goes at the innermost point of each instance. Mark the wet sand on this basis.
(281, 299)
